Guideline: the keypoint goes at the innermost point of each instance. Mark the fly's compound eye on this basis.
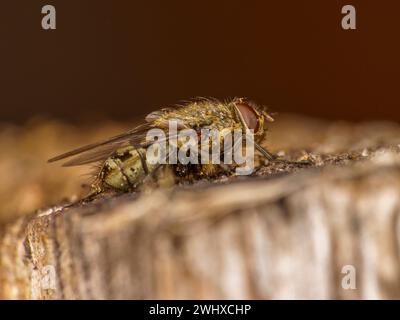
(248, 115)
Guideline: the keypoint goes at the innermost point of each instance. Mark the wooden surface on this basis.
(286, 232)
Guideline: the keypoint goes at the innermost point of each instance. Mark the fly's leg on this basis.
(148, 176)
(143, 162)
(273, 158)
(269, 156)
(301, 162)
(152, 177)
(96, 190)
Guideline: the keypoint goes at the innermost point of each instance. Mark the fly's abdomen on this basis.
(125, 169)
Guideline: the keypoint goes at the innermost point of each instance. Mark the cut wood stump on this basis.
(330, 230)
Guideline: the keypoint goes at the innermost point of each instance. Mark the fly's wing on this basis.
(100, 151)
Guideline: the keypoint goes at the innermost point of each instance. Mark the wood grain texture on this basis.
(284, 236)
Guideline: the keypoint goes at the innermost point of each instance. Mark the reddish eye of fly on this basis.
(249, 115)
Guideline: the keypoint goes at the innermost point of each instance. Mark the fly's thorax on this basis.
(200, 114)
(125, 169)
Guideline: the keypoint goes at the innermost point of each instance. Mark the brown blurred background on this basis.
(110, 62)
(119, 59)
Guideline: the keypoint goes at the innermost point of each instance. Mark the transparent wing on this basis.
(102, 150)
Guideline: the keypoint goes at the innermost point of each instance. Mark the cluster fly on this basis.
(122, 163)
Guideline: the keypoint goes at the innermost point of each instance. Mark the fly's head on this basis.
(251, 116)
